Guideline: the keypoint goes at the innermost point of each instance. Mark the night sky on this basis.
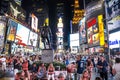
(26, 4)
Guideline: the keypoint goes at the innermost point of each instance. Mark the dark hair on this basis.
(117, 60)
(98, 78)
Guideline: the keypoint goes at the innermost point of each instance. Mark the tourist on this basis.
(116, 69)
(51, 72)
(85, 75)
(103, 68)
(41, 71)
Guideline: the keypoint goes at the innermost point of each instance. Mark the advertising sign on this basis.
(22, 35)
(113, 8)
(82, 31)
(16, 11)
(47, 56)
(34, 23)
(94, 8)
(114, 41)
(114, 23)
(92, 32)
(74, 39)
(94, 23)
(11, 30)
(32, 39)
(2, 34)
(101, 30)
(41, 44)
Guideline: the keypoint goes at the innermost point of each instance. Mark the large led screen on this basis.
(2, 34)
(34, 23)
(16, 11)
(74, 39)
(114, 40)
(114, 23)
(113, 8)
(94, 8)
(11, 30)
(82, 31)
(33, 37)
(92, 32)
(22, 34)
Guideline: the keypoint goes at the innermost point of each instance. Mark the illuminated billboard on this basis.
(94, 23)
(114, 41)
(92, 32)
(11, 30)
(33, 37)
(94, 9)
(114, 23)
(16, 11)
(2, 34)
(22, 35)
(34, 23)
(74, 39)
(113, 8)
(82, 31)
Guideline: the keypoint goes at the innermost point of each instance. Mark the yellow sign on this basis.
(11, 37)
(101, 30)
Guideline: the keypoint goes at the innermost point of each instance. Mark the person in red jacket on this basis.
(25, 68)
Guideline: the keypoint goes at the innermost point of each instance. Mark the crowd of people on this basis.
(87, 65)
(81, 67)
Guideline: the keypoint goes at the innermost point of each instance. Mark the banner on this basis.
(101, 30)
(22, 35)
(34, 23)
(16, 11)
(94, 23)
(11, 30)
(2, 34)
(113, 8)
(114, 23)
(82, 31)
(33, 38)
(94, 9)
(92, 32)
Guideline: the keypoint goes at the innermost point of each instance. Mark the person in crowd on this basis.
(10, 62)
(25, 68)
(67, 61)
(15, 61)
(3, 61)
(20, 75)
(98, 78)
(116, 69)
(41, 71)
(80, 65)
(71, 69)
(34, 69)
(51, 72)
(61, 76)
(103, 68)
(89, 66)
(18, 67)
(95, 63)
(85, 75)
